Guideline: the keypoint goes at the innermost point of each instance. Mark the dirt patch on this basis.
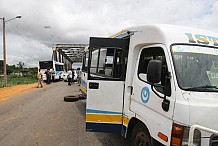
(8, 92)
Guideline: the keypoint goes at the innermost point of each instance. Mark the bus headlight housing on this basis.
(180, 136)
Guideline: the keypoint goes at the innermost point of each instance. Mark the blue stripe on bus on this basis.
(104, 127)
(101, 112)
(83, 83)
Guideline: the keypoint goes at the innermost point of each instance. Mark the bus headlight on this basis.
(180, 136)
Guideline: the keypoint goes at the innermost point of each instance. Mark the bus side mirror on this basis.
(154, 71)
(154, 76)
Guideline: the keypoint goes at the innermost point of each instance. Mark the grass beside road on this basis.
(13, 80)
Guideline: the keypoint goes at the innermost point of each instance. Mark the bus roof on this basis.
(119, 34)
(169, 34)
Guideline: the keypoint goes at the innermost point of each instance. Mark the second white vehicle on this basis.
(65, 74)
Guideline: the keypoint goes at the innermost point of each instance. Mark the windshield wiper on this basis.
(198, 88)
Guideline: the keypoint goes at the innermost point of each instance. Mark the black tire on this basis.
(81, 97)
(71, 98)
(140, 136)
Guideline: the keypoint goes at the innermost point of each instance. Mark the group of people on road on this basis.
(49, 75)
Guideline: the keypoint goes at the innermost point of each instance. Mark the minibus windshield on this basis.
(196, 67)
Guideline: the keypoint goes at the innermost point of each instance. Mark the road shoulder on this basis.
(6, 93)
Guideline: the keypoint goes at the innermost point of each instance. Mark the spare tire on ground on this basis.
(71, 98)
(81, 97)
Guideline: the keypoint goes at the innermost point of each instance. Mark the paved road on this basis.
(41, 117)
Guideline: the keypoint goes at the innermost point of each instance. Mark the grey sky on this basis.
(48, 22)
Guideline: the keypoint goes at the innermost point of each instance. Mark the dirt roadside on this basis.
(6, 93)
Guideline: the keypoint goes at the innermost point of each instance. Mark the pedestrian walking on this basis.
(73, 74)
(48, 76)
(39, 77)
(79, 76)
(53, 75)
(69, 77)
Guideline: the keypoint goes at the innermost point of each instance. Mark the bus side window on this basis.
(118, 63)
(143, 68)
(85, 61)
(107, 63)
(152, 53)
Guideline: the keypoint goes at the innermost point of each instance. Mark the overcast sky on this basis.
(48, 22)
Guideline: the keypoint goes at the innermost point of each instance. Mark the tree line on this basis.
(18, 69)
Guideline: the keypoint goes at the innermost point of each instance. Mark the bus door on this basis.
(84, 73)
(105, 86)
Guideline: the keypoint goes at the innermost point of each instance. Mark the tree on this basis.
(10, 69)
(1, 66)
(20, 65)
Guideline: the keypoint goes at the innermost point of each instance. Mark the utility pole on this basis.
(4, 48)
(4, 54)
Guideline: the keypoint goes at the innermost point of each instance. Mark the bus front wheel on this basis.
(140, 136)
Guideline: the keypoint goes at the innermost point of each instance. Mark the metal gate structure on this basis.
(68, 53)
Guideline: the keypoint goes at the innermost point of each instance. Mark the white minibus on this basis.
(156, 84)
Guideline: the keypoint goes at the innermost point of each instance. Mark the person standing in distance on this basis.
(79, 76)
(53, 75)
(48, 76)
(69, 77)
(73, 74)
(39, 77)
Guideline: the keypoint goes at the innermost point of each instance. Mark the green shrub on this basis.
(18, 80)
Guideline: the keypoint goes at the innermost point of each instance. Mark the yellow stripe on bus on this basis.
(104, 118)
(125, 120)
(83, 89)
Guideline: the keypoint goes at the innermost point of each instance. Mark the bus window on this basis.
(107, 63)
(94, 62)
(45, 64)
(59, 67)
(154, 53)
(85, 61)
(102, 57)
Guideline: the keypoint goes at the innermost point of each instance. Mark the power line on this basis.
(24, 38)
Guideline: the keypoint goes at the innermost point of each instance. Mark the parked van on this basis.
(161, 88)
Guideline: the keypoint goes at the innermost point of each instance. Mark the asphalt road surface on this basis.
(41, 117)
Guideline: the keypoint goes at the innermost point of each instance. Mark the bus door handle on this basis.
(93, 85)
(131, 90)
